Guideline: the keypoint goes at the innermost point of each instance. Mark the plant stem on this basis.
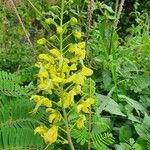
(68, 130)
(62, 90)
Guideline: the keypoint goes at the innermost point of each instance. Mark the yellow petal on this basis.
(46, 102)
(69, 99)
(51, 135)
(77, 89)
(44, 57)
(41, 130)
(86, 71)
(79, 108)
(81, 45)
(73, 67)
(88, 102)
(55, 116)
(56, 53)
(80, 122)
(80, 54)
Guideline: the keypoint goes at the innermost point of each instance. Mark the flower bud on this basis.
(77, 34)
(41, 41)
(52, 38)
(49, 21)
(59, 30)
(73, 21)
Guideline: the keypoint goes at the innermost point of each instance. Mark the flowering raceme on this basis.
(62, 74)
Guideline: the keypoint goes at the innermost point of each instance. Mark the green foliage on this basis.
(10, 85)
(20, 139)
(119, 57)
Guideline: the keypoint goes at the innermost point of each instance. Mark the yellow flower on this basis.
(41, 41)
(41, 130)
(58, 80)
(79, 79)
(86, 71)
(81, 45)
(73, 67)
(49, 20)
(71, 78)
(43, 73)
(77, 89)
(56, 53)
(51, 135)
(46, 85)
(77, 34)
(55, 115)
(38, 64)
(59, 30)
(68, 99)
(80, 54)
(85, 105)
(73, 21)
(76, 78)
(80, 121)
(41, 100)
(44, 57)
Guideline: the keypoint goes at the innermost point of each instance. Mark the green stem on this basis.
(62, 90)
(68, 130)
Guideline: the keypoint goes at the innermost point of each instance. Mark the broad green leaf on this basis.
(109, 105)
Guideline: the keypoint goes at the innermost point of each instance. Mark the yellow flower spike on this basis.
(86, 71)
(41, 130)
(56, 53)
(81, 45)
(80, 121)
(59, 30)
(49, 20)
(41, 41)
(51, 135)
(77, 34)
(44, 57)
(69, 99)
(73, 21)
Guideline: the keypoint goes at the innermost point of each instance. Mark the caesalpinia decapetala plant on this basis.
(62, 74)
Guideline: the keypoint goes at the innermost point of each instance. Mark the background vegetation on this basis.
(118, 51)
